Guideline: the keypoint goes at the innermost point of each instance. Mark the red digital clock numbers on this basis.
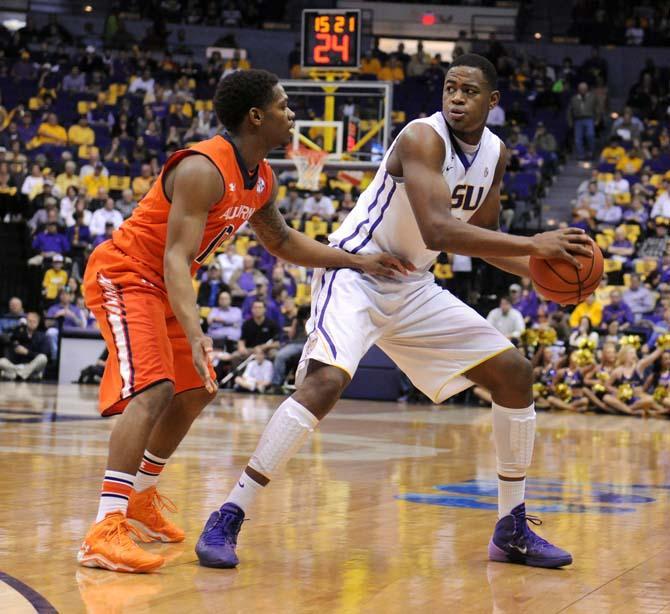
(331, 39)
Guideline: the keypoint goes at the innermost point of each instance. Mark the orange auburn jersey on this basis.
(143, 236)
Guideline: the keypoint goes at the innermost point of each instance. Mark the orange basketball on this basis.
(562, 282)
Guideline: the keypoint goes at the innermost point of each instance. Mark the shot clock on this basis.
(331, 39)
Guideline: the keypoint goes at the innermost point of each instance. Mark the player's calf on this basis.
(321, 388)
(287, 431)
(509, 378)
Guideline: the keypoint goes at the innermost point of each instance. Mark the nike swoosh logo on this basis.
(523, 550)
(240, 484)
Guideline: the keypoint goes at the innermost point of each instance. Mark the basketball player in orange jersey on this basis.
(437, 189)
(139, 287)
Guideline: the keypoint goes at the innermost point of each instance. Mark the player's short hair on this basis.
(240, 91)
(479, 61)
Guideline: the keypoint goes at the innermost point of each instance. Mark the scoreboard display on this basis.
(331, 39)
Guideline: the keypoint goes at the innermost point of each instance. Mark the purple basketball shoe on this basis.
(514, 542)
(217, 543)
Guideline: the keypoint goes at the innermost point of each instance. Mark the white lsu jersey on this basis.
(383, 219)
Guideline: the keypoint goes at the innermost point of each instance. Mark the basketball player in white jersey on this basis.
(437, 189)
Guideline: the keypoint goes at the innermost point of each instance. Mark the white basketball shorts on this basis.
(429, 333)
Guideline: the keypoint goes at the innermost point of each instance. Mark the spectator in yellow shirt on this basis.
(370, 65)
(93, 183)
(631, 163)
(141, 184)
(591, 309)
(240, 64)
(68, 178)
(50, 132)
(613, 152)
(81, 133)
(54, 279)
(392, 71)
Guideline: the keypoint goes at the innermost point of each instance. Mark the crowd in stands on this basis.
(611, 353)
(81, 145)
(617, 22)
(82, 139)
(84, 136)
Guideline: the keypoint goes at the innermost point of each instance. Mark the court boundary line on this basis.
(38, 601)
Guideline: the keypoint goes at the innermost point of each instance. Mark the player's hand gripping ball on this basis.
(562, 282)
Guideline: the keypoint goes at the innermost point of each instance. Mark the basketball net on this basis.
(309, 163)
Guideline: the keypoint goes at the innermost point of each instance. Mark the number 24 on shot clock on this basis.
(331, 39)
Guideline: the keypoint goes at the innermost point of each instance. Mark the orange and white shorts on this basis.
(146, 343)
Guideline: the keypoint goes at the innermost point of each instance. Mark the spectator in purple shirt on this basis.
(109, 231)
(24, 68)
(524, 299)
(79, 235)
(621, 248)
(272, 311)
(531, 160)
(26, 129)
(265, 261)
(617, 310)
(636, 213)
(283, 279)
(225, 323)
(72, 316)
(49, 242)
(244, 280)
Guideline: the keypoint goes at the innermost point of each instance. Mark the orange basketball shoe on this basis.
(108, 545)
(144, 513)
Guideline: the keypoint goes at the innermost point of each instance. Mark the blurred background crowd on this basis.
(87, 120)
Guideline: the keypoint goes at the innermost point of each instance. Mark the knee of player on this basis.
(514, 370)
(321, 389)
(156, 398)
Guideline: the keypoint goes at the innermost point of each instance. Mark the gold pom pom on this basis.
(584, 358)
(624, 392)
(633, 340)
(529, 337)
(663, 342)
(603, 377)
(599, 388)
(660, 393)
(547, 336)
(539, 389)
(587, 344)
(564, 392)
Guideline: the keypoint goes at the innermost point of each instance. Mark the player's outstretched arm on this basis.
(289, 244)
(421, 154)
(197, 186)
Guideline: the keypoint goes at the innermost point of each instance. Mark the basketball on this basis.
(560, 281)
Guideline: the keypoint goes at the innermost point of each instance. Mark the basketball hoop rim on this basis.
(312, 156)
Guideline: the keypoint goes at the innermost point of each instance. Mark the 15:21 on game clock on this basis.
(331, 39)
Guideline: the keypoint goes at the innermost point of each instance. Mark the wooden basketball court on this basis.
(388, 509)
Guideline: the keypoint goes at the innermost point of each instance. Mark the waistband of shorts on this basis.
(134, 264)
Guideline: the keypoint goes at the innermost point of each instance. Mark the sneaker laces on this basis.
(225, 529)
(156, 503)
(528, 535)
(119, 530)
(161, 502)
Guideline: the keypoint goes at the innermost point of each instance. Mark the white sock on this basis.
(244, 492)
(510, 494)
(149, 471)
(116, 488)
